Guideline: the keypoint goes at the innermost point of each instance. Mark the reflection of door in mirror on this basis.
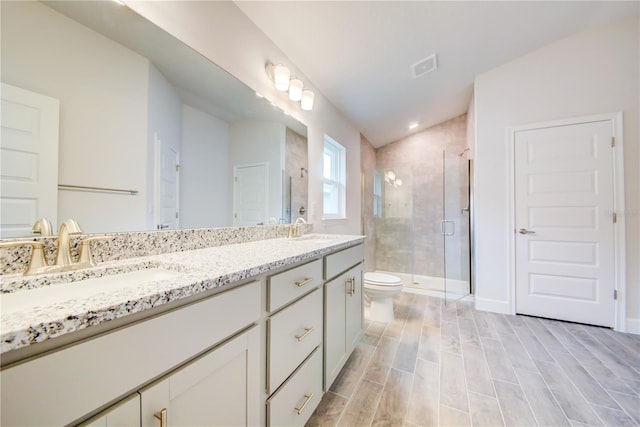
(167, 186)
(250, 194)
(29, 156)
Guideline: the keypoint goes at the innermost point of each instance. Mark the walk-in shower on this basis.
(420, 203)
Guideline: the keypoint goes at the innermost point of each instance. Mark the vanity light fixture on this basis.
(295, 89)
(280, 76)
(413, 125)
(306, 103)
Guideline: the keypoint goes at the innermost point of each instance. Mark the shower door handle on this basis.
(443, 227)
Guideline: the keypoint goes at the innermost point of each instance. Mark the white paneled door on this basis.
(565, 241)
(250, 194)
(167, 186)
(29, 160)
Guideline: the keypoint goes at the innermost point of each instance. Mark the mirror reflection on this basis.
(111, 121)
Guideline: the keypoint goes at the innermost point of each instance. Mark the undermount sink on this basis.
(59, 293)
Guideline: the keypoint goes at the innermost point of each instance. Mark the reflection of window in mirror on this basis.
(377, 194)
(334, 179)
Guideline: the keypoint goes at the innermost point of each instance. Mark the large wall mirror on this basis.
(111, 121)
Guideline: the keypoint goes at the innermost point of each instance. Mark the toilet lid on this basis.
(373, 278)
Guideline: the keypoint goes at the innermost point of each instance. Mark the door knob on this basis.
(525, 231)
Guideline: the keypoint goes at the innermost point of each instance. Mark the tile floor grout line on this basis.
(415, 366)
(573, 382)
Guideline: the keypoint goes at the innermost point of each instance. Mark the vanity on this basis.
(241, 334)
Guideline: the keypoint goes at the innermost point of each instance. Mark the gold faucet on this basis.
(294, 230)
(63, 256)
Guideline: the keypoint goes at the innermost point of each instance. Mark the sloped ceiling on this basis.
(359, 54)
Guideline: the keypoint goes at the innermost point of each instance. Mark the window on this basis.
(334, 179)
(377, 194)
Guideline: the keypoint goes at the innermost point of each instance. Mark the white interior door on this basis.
(565, 242)
(250, 186)
(167, 186)
(28, 160)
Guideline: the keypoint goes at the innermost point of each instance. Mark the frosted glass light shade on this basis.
(306, 103)
(399, 182)
(295, 89)
(391, 175)
(281, 75)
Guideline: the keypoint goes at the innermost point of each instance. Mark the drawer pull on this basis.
(300, 408)
(307, 331)
(352, 288)
(162, 416)
(304, 281)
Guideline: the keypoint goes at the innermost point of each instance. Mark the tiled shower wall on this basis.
(296, 158)
(416, 226)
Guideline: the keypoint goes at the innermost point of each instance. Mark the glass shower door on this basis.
(455, 227)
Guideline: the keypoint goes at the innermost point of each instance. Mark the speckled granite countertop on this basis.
(200, 270)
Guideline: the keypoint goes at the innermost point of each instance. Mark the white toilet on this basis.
(380, 289)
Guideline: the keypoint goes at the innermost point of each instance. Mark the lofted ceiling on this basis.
(359, 53)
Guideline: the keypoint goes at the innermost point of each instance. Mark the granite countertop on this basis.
(199, 271)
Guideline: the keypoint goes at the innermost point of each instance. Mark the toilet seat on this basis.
(381, 281)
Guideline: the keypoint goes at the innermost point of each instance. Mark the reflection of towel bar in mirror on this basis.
(101, 189)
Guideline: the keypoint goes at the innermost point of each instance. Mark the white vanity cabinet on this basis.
(343, 309)
(124, 414)
(69, 384)
(294, 344)
(217, 389)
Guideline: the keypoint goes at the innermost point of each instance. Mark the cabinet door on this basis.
(334, 328)
(219, 388)
(354, 307)
(124, 414)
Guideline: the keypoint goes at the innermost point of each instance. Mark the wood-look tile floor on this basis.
(455, 366)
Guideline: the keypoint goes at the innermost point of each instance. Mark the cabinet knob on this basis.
(162, 416)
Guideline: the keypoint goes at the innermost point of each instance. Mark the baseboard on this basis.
(496, 306)
(633, 326)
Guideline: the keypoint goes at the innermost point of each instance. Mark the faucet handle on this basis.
(85, 250)
(37, 262)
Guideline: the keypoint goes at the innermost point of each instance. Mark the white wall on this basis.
(165, 124)
(592, 72)
(205, 176)
(222, 33)
(60, 60)
(261, 142)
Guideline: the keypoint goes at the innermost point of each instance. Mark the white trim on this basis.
(495, 306)
(633, 326)
(620, 322)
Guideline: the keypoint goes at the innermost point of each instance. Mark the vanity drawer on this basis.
(294, 403)
(292, 334)
(338, 262)
(291, 284)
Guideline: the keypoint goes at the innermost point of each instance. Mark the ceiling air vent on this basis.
(424, 66)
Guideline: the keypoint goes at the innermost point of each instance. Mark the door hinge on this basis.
(176, 215)
(615, 294)
(235, 178)
(613, 141)
(615, 217)
(177, 167)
